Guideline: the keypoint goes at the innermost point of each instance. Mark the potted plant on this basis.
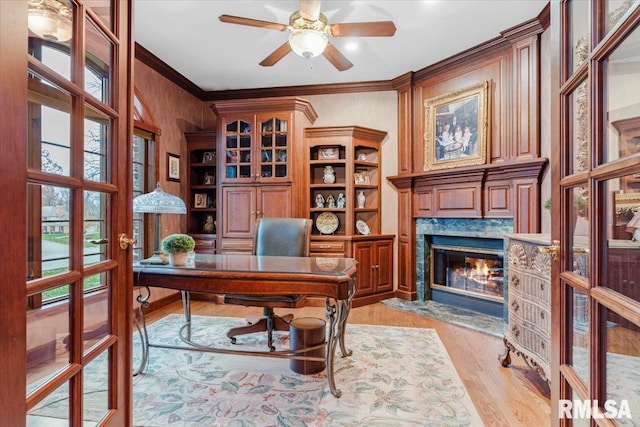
(177, 246)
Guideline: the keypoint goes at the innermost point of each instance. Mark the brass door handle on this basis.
(125, 241)
(554, 250)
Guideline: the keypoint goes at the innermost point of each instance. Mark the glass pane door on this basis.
(597, 302)
(78, 327)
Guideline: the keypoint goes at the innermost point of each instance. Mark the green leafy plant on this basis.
(177, 243)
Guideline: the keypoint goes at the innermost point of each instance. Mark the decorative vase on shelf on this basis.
(361, 199)
(329, 176)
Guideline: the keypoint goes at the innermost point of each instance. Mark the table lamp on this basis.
(158, 202)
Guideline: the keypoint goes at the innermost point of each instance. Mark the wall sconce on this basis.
(51, 19)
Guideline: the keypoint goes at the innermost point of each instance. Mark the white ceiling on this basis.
(187, 35)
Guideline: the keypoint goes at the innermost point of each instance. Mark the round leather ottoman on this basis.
(306, 332)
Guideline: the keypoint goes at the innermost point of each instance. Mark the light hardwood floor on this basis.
(513, 396)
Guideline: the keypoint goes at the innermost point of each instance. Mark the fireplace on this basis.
(460, 262)
(467, 271)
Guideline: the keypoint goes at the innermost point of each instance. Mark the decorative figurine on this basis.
(319, 201)
(361, 199)
(331, 201)
(329, 176)
(341, 202)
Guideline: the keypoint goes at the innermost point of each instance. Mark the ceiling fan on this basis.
(310, 31)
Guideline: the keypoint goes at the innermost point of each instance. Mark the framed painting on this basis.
(200, 200)
(173, 167)
(328, 153)
(456, 128)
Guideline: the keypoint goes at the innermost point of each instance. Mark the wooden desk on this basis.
(332, 278)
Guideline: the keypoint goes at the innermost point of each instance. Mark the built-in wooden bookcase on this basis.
(261, 164)
(202, 199)
(353, 153)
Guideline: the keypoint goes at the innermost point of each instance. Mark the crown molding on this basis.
(531, 27)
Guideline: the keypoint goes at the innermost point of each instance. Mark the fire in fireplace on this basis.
(471, 271)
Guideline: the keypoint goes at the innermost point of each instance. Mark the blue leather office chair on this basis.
(274, 237)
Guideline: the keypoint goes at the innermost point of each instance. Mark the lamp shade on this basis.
(308, 42)
(159, 202)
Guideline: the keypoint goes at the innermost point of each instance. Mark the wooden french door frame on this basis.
(596, 285)
(14, 176)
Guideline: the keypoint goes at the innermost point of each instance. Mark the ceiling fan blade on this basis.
(310, 9)
(276, 55)
(365, 29)
(334, 56)
(229, 19)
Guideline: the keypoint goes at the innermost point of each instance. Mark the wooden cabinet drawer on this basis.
(326, 247)
(205, 246)
(236, 246)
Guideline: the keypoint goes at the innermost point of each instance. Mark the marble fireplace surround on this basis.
(481, 228)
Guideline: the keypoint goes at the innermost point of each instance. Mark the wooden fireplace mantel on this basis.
(500, 190)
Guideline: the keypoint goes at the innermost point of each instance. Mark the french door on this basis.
(65, 184)
(596, 181)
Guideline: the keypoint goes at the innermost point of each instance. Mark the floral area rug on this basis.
(447, 313)
(395, 377)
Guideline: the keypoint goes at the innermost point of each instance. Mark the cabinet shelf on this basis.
(334, 210)
(325, 162)
(202, 179)
(360, 163)
(329, 186)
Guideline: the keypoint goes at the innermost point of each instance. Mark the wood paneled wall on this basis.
(508, 185)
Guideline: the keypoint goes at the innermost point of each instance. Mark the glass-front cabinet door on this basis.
(274, 148)
(596, 300)
(257, 154)
(238, 144)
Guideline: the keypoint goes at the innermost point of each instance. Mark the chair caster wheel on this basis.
(233, 340)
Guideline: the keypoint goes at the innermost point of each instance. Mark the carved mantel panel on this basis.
(506, 190)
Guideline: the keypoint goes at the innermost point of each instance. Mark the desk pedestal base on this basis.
(337, 311)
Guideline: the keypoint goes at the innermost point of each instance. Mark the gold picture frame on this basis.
(200, 200)
(173, 167)
(457, 128)
(361, 176)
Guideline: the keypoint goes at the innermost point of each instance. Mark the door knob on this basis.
(125, 241)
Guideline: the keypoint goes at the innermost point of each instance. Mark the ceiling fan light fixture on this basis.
(50, 19)
(307, 42)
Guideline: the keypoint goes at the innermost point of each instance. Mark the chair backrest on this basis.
(282, 237)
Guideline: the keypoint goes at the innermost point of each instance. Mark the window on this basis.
(144, 181)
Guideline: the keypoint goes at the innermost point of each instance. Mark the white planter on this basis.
(178, 260)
